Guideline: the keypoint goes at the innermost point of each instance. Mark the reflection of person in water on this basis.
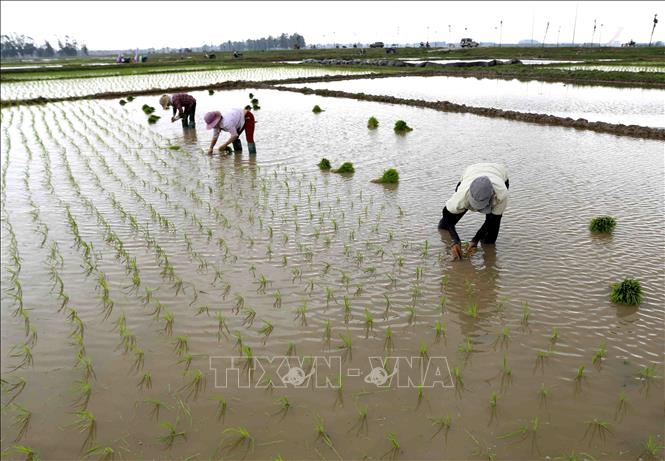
(189, 136)
(482, 188)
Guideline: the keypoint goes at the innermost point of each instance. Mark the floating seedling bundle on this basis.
(346, 167)
(317, 109)
(627, 292)
(390, 176)
(153, 119)
(324, 164)
(401, 127)
(147, 109)
(602, 224)
(372, 123)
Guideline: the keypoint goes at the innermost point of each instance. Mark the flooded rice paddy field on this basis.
(618, 68)
(629, 106)
(12, 91)
(127, 265)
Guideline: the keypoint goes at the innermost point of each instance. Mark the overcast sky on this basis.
(125, 25)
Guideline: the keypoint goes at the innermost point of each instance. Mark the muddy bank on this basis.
(542, 119)
(401, 63)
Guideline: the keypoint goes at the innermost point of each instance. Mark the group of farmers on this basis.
(233, 121)
(483, 187)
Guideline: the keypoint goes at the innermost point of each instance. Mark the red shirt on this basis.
(182, 101)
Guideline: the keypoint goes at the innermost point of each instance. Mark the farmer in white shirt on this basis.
(482, 188)
(234, 122)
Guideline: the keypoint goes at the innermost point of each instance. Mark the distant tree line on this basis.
(20, 46)
(284, 41)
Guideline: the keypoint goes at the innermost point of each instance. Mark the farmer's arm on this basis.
(233, 137)
(492, 220)
(215, 136)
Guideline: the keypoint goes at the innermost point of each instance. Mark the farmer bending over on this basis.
(183, 104)
(483, 188)
(233, 121)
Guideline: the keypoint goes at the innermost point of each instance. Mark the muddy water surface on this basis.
(238, 230)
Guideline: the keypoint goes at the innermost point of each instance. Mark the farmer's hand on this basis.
(222, 148)
(173, 119)
(456, 251)
(210, 151)
(471, 249)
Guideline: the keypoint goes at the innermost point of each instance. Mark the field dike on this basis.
(635, 131)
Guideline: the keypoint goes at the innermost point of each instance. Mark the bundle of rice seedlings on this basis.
(390, 176)
(147, 109)
(602, 224)
(153, 119)
(372, 123)
(627, 292)
(401, 127)
(324, 164)
(317, 109)
(347, 167)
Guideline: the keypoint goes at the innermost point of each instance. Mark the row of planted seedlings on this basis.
(127, 337)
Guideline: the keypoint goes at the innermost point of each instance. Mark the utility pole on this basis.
(557, 37)
(500, 32)
(594, 32)
(655, 21)
(600, 36)
(575, 23)
(545, 37)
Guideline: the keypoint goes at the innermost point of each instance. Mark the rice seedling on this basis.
(145, 382)
(600, 354)
(395, 449)
(147, 109)
(15, 387)
(24, 353)
(152, 119)
(439, 329)
(573, 456)
(628, 292)
(181, 345)
(442, 303)
(221, 407)
(647, 373)
(324, 164)
(347, 344)
(372, 123)
(195, 385)
(580, 374)
(597, 427)
(412, 314)
(30, 454)
(122, 102)
(602, 224)
(316, 109)
(86, 364)
(442, 424)
(388, 343)
(525, 313)
(346, 167)
(173, 434)
(139, 357)
(250, 315)
(466, 347)
(493, 400)
(239, 436)
(21, 420)
(301, 313)
(86, 423)
(155, 407)
(104, 453)
(555, 335)
(266, 329)
(369, 322)
(291, 349)
(524, 431)
(472, 310)
(506, 373)
(401, 127)
(457, 377)
(168, 319)
(390, 176)
(240, 304)
(651, 448)
(423, 350)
